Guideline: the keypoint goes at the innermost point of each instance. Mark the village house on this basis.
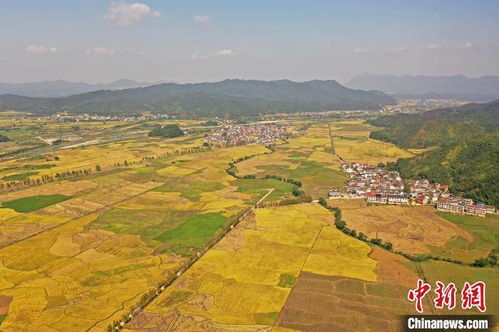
(334, 193)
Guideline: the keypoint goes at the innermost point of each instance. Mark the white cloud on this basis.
(220, 53)
(34, 49)
(99, 51)
(360, 51)
(125, 13)
(399, 49)
(461, 46)
(202, 19)
(226, 52)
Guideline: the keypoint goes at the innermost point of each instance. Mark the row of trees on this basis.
(14, 185)
(46, 178)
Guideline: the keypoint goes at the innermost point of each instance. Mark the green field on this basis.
(485, 232)
(28, 204)
(193, 233)
(458, 274)
(19, 176)
(147, 223)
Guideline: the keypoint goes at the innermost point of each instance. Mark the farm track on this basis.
(332, 144)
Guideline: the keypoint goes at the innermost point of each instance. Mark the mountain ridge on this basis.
(63, 88)
(233, 96)
(485, 88)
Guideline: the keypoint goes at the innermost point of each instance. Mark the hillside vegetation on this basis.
(233, 97)
(167, 131)
(469, 167)
(438, 127)
(466, 147)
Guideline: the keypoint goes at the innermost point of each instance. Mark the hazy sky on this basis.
(208, 40)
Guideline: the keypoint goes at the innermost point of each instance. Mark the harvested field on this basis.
(410, 229)
(336, 303)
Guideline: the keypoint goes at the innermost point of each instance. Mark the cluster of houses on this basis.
(93, 117)
(377, 185)
(237, 134)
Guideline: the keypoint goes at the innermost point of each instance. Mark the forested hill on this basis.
(235, 97)
(469, 167)
(465, 147)
(438, 127)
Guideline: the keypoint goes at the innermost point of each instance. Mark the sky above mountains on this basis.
(189, 41)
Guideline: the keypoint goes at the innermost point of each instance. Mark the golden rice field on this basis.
(115, 236)
(79, 253)
(352, 143)
(246, 279)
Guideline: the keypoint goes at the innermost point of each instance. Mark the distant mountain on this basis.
(465, 143)
(482, 89)
(64, 88)
(235, 97)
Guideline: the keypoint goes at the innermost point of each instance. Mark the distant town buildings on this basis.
(377, 185)
(240, 134)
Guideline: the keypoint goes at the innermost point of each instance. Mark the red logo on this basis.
(472, 295)
(446, 296)
(418, 294)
